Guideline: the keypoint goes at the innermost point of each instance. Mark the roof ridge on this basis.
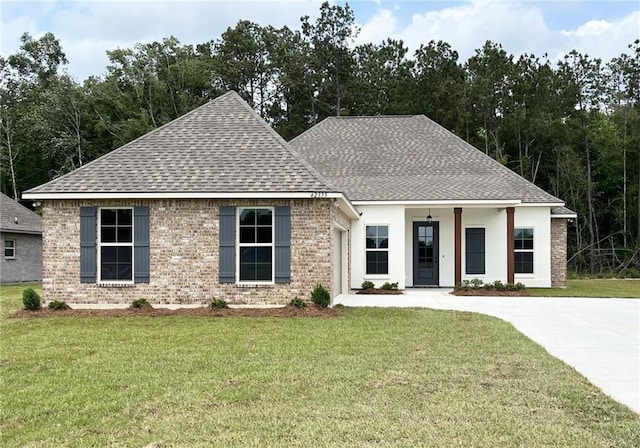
(126, 145)
(307, 166)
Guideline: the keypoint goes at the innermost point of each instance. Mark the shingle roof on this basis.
(562, 212)
(222, 146)
(18, 219)
(402, 158)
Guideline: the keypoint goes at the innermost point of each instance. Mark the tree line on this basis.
(572, 127)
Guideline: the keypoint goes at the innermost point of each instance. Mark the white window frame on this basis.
(532, 251)
(272, 245)
(4, 249)
(99, 245)
(366, 249)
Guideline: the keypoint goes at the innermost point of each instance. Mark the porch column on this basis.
(510, 245)
(458, 244)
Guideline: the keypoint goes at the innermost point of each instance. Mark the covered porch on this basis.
(430, 245)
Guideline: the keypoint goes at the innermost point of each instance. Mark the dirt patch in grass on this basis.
(490, 292)
(379, 291)
(287, 311)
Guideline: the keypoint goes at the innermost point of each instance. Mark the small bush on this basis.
(31, 300)
(298, 302)
(464, 285)
(629, 273)
(140, 303)
(499, 286)
(489, 286)
(320, 296)
(367, 285)
(519, 286)
(218, 304)
(476, 283)
(57, 305)
(390, 286)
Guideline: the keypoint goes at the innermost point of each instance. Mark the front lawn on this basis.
(370, 377)
(623, 288)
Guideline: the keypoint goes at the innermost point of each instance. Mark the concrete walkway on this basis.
(600, 338)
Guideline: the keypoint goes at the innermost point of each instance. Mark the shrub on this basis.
(519, 286)
(499, 286)
(389, 286)
(320, 296)
(218, 304)
(31, 300)
(298, 302)
(464, 285)
(629, 273)
(57, 305)
(367, 285)
(489, 286)
(140, 303)
(476, 283)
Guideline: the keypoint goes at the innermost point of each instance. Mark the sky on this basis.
(87, 29)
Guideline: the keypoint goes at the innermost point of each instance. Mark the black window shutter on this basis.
(283, 244)
(141, 244)
(227, 272)
(87, 244)
(475, 250)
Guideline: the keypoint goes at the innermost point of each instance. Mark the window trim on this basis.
(366, 249)
(272, 245)
(465, 250)
(13, 248)
(531, 251)
(99, 245)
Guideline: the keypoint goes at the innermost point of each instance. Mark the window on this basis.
(475, 250)
(377, 248)
(255, 244)
(116, 244)
(523, 248)
(9, 248)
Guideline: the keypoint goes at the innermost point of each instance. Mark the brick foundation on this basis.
(558, 252)
(184, 253)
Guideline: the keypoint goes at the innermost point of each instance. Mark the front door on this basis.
(425, 254)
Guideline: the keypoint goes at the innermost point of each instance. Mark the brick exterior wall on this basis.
(184, 251)
(558, 252)
(27, 264)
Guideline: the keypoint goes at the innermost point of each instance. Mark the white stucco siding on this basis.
(538, 218)
(494, 221)
(393, 217)
(400, 219)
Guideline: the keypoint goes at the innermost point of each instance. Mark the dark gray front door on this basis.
(425, 254)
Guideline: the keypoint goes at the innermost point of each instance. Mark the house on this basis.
(216, 204)
(21, 235)
(433, 209)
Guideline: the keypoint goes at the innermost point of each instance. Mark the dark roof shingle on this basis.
(16, 218)
(222, 146)
(408, 158)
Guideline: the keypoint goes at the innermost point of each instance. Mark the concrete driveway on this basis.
(600, 338)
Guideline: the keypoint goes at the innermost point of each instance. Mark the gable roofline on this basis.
(296, 155)
(16, 218)
(368, 187)
(116, 151)
(303, 164)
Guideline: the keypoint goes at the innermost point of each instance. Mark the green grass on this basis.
(371, 377)
(623, 288)
(11, 297)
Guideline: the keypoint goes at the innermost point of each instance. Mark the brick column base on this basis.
(559, 252)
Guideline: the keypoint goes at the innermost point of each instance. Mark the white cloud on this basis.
(87, 29)
(519, 26)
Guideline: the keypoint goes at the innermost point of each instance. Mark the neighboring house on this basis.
(216, 204)
(21, 235)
